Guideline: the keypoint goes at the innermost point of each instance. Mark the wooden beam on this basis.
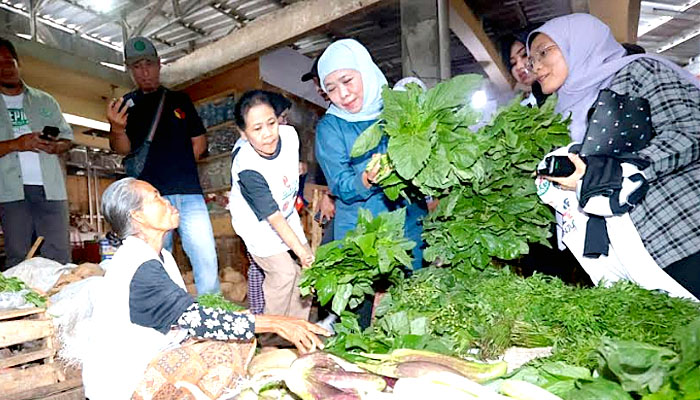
(467, 27)
(81, 139)
(233, 80)
(273, 29)
(622, 16)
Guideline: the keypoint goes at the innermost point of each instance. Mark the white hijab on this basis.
(350, 54)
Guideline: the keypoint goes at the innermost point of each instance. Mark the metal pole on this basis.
(443, 9)
(96, 181)
(89, 186)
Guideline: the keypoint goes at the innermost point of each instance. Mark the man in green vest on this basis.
(33, 199)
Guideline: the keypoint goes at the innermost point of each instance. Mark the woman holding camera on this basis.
(594, 81)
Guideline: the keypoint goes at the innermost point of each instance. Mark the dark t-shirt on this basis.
(170, 167)
(155, 301)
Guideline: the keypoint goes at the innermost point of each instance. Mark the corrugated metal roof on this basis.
(676, 28)
(177, 27)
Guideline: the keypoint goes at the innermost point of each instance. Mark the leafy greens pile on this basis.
(346, 269)
(455, 310)
(14, 284)
(628, 369)
(217, 300)
(488, 201)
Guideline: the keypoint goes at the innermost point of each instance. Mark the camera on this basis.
(556, 166)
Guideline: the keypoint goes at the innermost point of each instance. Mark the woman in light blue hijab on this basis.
(354, 84)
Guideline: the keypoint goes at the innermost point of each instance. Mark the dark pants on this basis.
(687, 273)
(35, 215)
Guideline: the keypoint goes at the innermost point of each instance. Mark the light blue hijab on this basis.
(350, 54)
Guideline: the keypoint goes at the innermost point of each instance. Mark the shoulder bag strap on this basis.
(156, 118)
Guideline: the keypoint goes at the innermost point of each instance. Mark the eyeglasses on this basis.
(539, 55)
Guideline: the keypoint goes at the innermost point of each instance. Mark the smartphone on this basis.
(49, 133)
(320, 220)
(557, 166)
(127, 102)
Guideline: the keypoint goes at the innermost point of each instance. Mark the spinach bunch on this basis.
(426, 130)
(489, 206)
(14, 284)
(346, 269)
(496, 212)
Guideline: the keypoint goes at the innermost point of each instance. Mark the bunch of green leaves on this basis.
(217, 300)
(426, 132)
(345, 270)
(489, 206)
(14, 284)
(497, 213)
(627, 370)
(492, 310)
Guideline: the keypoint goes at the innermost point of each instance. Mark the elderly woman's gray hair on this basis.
(118, 201)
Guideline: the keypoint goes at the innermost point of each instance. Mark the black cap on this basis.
(313, 73)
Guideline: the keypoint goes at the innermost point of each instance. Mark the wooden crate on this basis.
(32, 368)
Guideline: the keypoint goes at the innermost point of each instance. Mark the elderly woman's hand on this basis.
(301, 333)
(570, 182)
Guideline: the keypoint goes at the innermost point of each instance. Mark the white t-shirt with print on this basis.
(28, 160)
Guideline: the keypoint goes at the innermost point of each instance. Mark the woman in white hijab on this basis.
(354, 84)
(597, 83)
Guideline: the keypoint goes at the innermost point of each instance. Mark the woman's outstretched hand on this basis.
(301, 333)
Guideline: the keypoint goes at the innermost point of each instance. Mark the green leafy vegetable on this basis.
(345, 270)
(492, 310)
(639, 367)
(488, 203)
(217, 300)
(14, 284)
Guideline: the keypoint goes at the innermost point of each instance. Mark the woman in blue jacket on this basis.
(354, 85)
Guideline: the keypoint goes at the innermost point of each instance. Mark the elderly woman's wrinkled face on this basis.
(156, 212)
(344, 88)
(548, 63)
(518, 62)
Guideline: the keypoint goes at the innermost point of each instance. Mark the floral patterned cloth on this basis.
(213, 323)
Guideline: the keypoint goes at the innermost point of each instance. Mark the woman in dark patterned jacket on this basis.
(577, 57)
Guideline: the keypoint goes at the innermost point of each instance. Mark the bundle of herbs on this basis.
(14, 284)
(346, 270)
(459, 310)
(488, 202)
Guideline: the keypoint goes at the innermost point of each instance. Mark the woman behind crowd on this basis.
(514, 55)
(144, 312)
(354, 84)
(668, 217)
(265, 182)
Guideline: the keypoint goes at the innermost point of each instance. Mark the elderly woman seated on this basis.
(145, 330)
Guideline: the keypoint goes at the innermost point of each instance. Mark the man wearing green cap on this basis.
(171, 164)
